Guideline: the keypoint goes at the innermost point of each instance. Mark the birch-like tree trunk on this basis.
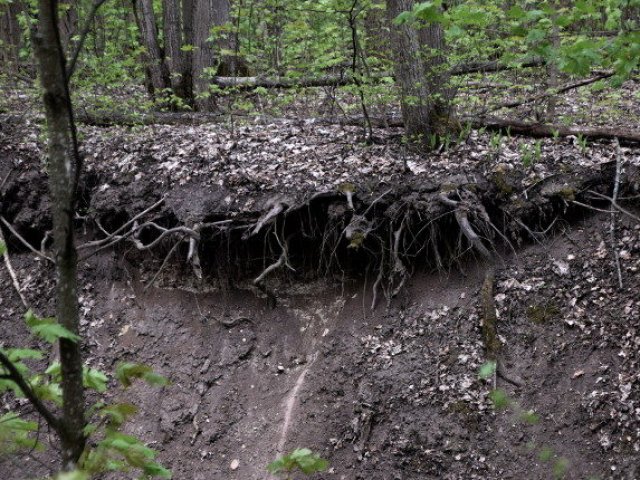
(421, 75)
(64, 168)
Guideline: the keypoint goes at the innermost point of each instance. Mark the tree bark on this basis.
(159, 77)
(207, 15)
(64, 169)
(10, 34)
(425, 96)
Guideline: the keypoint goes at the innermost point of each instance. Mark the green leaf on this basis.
(3, 248)
(75, 475)
(499, 398)
(560, 467)
(16, 434)
(529, 417)
(302, 459)
(154, 469)
(127, 372)
(94, 379)
(545, 454)
(119, 413)
(19, 354)
(487, 370)
(48, 328)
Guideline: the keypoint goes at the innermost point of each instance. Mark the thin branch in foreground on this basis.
(15, 376)
(83, 37)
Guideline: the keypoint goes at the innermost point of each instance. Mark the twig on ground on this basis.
(615, 204)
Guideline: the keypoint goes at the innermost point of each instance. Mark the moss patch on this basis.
(542, 313)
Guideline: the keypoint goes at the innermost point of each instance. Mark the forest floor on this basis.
(336, 299)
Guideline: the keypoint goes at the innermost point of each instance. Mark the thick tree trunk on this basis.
(208, 14)
(425, 96)
(159, 78)
(64, 167)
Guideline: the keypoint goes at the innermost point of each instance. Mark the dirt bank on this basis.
(300, 358)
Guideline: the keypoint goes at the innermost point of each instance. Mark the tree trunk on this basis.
(172, 23)
(186, 87)
(64, 168)
(207, 15)
(68, 22)
(159, 78)
(10, 34)
(425, 96)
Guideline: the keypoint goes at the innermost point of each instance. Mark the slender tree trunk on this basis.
(420, 73)
(10, 34)
(186, 87)
(64, 169)
(172, 26)
(159, 78)
(68, 22)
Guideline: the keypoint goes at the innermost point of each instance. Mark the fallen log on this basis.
(343, 79)
(507, 125)
(548, 130)
(549, 93)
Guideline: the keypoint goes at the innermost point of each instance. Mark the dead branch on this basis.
(349, 78)
(541, 130)
(615, 204)
(549, 93)
(490, 328)
(193, 255)
(612, 225)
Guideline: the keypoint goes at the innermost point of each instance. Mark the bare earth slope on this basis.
(300, 358)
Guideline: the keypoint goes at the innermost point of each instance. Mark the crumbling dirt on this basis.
(385, 393)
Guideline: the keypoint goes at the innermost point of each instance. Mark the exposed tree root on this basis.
(490, 330)
(12, 274)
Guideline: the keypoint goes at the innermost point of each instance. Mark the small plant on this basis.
(582, 143)
(301, 459)
(502, 401)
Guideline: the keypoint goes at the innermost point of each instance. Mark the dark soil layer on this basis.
(300, 358)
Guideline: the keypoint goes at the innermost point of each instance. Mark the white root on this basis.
(283, 261)
(12, 274)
